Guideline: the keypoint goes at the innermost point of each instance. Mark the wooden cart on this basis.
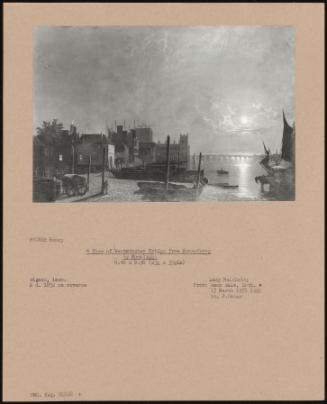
(74, 184)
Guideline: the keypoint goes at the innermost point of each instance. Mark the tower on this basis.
(184, 149)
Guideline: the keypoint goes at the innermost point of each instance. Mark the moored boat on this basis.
(157, 172)
(225, 185)
(159, 191)
(220, 171)
(165, 189)
(280, 177)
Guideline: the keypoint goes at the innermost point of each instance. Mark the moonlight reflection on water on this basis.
(242, 171)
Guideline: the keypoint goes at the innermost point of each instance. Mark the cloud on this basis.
(199, 80)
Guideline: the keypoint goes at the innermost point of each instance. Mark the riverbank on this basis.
(125, 190)
(118, 191)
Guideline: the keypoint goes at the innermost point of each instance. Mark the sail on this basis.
(288, 140)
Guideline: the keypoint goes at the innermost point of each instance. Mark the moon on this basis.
(244, 119)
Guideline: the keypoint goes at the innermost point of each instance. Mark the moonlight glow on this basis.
(244, 119)
(184, 79)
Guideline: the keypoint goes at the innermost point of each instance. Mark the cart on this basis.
(74, 184)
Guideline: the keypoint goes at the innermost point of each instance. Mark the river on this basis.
(242, 171)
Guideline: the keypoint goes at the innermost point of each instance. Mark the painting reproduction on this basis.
(163, 114)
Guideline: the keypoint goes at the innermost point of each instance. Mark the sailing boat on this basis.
(280, 177)
(287, 152)
(288, 141)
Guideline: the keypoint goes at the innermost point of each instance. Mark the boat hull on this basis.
(157, 191)
(153, 174)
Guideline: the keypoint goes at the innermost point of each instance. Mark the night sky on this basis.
(225, 86)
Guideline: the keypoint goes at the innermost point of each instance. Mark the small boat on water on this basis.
(222, 172)
(230, 186)
(225, 185)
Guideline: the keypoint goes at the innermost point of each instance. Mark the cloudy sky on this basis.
(225, 86)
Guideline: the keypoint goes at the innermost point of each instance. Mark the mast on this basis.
(267, 151)
(167, 162)
(199, 172)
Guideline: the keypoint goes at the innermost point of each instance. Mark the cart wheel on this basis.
(70, 191)
(82, 190)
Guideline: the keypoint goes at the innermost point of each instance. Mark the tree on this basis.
(49, 139)
(50, 133)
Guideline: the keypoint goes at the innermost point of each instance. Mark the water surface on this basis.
(242, 171)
